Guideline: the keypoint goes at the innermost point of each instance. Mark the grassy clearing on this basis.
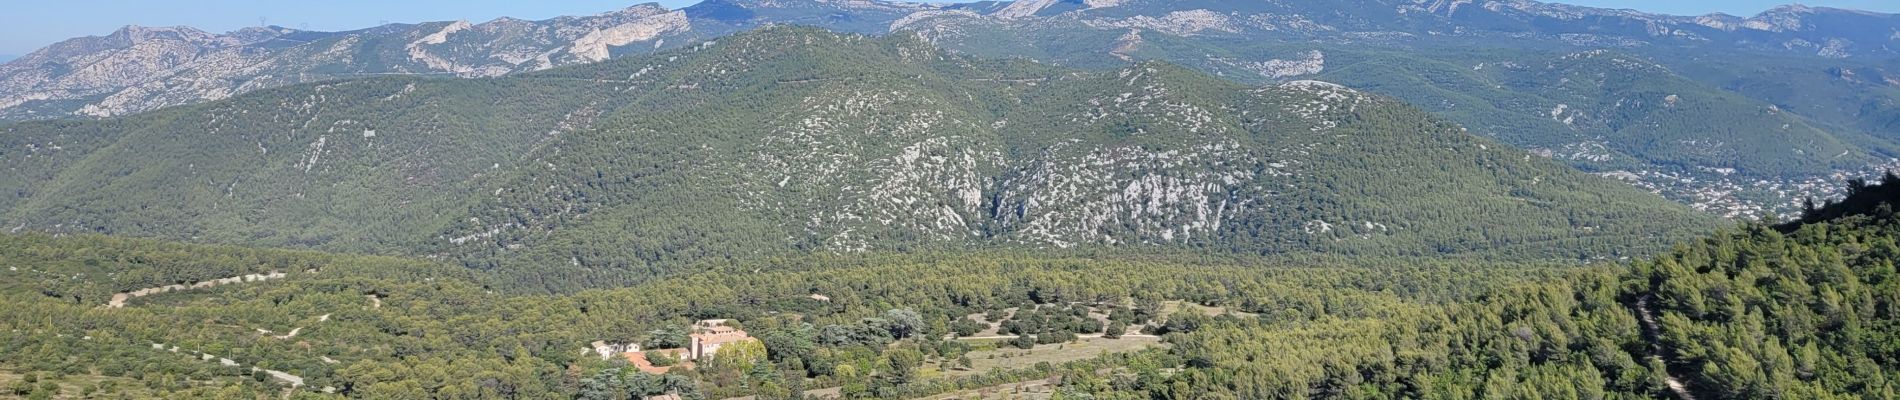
(1031, 390)
(982, 361)
(1171, 307)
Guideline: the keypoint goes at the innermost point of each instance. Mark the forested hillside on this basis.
(792, 140)
(374, 328)
(1041, 199)
(1804, 312)
(1735, 133)
(1748, 313)
(1738, 116)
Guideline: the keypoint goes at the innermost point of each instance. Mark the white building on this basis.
(609, 350)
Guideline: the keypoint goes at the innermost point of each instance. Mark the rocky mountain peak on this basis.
(134, 34)
(646, 9)
(1781, 19)
(1790, 9)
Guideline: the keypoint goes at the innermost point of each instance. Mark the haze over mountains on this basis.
(1662, 102)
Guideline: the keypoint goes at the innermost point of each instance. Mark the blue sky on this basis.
(26, 25)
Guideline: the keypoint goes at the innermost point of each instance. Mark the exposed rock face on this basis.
(1181, 23)
(126, 61)
(1127, 44)
(418, 53)
(594, 47)
(1311, 63)
(139, 69)
(1069, 196)
(1023, 9)
(821, 150)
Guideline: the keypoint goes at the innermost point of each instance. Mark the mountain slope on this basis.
(344, 164)
(791, 139)
(1803, 94)
(139, 69)
(1505, 68)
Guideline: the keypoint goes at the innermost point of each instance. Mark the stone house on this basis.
(709, 336)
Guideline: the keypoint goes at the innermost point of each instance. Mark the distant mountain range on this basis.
(1734, 115)
(793, 140)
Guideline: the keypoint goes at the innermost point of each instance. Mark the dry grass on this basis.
(1031, 390)
(983, 361)
(1170, 307)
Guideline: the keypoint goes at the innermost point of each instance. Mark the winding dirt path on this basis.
(1656, 348)
(119, 300)
(293, 380)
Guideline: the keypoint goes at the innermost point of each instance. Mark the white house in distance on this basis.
(608, 350)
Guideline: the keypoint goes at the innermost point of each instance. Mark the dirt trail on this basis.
(294, 331)
(119, 300)
(293, 380)
(1656, 349)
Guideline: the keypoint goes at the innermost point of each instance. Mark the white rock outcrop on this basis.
(595, 46)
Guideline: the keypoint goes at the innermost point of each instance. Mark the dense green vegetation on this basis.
(794, 140)
(1611, 110)
(877, 213)
(1807, 313)
(1765, 116)
(1323, 322)
(885, 318)
(1863, 199)
(1751, 312)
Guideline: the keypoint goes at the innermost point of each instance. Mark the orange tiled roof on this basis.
(640, 361)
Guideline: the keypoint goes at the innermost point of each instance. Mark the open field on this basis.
(1030, 390)
(982, 361)
(1171, 307)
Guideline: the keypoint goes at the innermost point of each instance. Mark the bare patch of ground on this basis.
(1171, 307)
(1039, 389)
(983, 361)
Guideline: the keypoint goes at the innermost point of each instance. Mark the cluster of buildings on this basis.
(703, 343)
(709, 335)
